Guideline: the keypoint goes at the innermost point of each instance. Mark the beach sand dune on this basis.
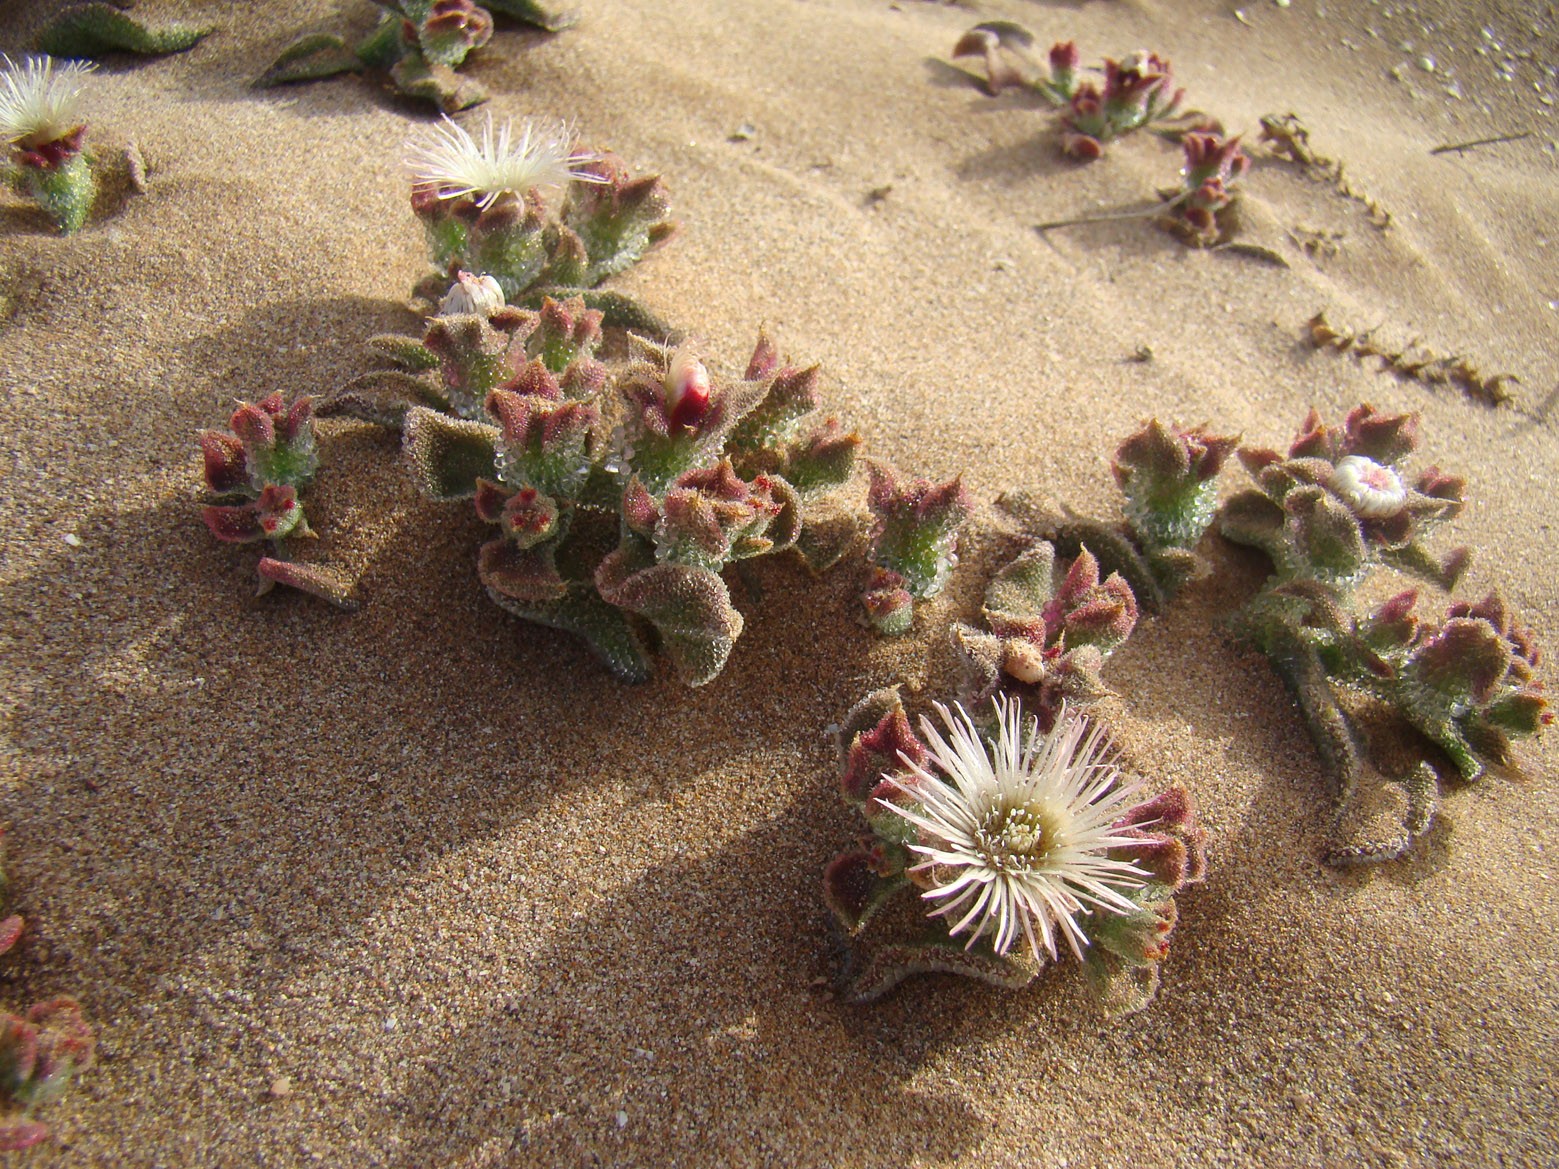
(423, 885)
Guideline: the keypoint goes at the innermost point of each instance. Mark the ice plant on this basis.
(419, 43)
(1017, 839)
(1136, 93)
(914, 542)
(1200, 210)
(481, 202)
(1168, 475)
(257, 471)
(1049, 633)
(44, 137)
(620, 491)
(41, 1051)
(1329, 511)
(1017, 845)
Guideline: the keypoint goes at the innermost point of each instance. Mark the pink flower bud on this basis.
(687, 389)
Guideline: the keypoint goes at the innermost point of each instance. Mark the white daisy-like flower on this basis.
(447, 158)
(1371, 490)
(38, 99)
(1016, 843)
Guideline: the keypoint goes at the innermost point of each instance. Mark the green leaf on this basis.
(542, 16)
(406, 352)
(382, 397)
(449, 454)
(689, 607)
(429, 81)
(582, 612)
(309, 59)
(90, 30)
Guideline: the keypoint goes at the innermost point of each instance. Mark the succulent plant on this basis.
(257, 471)
(482, 209)
(1200, 210)
(1049, 634)
(1136, 93)
(1068, 600)
(45, 138)
(1169, 477)
(620, 492)
(1019, 838)
(419, 43)
(1336, 504)
(914, 541)
(1335, 507)
(41, 1051)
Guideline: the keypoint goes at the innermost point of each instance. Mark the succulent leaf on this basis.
(92, 29)
(449, 455)
(310, 58)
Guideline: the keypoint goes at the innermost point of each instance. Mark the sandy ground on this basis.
(423, 886)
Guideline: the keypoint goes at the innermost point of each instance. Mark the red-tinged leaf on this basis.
(22, 1134)
(234, 525)
(295, 420)
(254, 425)
(490, 498)
(889, 748)
(10, 931)
(854, 889)
(765, 358)
(309, 578)
(226, 464)
(527, 576)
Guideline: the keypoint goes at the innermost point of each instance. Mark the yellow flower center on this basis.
(1017, 839)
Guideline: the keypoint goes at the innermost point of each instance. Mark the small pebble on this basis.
(621, 1118)
(281, 1088)
(1426, 63)
(73, 540)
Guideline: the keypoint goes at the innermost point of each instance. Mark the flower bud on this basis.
(471, 294)
(687, 389)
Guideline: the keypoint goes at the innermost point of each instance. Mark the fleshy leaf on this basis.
(310, 58)
(417, 77)
(544, 16)
(448, 454)
(689, 607)
(854, 890)
(90, 30)
(309, 578)
(876, 969)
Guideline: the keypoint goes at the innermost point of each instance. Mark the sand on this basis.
(424, 886)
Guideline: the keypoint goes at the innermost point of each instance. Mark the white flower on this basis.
(450, 160)
(1017, 843)
(38, 101)
(471, 294)
(1371, 490)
